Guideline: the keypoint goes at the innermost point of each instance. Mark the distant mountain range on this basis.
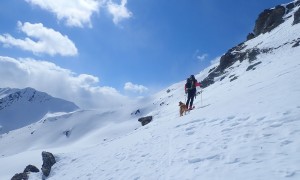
(21, 107)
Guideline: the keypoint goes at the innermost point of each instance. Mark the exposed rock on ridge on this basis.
(268, 20)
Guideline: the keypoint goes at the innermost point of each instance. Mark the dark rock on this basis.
(20, 176)
(168, 90)
(222, 78)
(145, 120)
(67, 133)
(48, 162)
(234, 78)
(31, 168)
(268, 20)
(290, 6)
(212, 69)
(252, 53)
(252, 67)
(250, 36)
(296, 44)
(297, 17)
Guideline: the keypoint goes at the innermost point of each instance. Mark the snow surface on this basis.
(248, 128)
(21, 107)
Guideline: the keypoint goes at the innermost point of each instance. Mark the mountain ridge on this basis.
(25, 106)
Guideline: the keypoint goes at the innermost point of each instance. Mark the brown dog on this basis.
(183, 108)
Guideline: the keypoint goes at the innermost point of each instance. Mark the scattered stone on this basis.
(67, 133)
(31, 168)
(234, 78)
(252, 67)
(145, 120)
(48, 162)
(20, 176)
(296, 44)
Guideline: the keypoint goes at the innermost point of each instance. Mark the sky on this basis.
(122, 48)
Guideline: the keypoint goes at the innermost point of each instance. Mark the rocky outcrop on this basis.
(228, 59)
(297, 17)
(250, 36)
(24, 174)
(48, 162)
(20, 176)
(145, 120)
(268, 20)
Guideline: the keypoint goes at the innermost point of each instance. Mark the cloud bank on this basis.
(41, 40)
(129, 86)
(78, 13)
(58, 82)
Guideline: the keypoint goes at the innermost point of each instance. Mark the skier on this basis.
(190, 90)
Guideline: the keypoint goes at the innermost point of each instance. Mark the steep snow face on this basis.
(20, 107)
(246, 125)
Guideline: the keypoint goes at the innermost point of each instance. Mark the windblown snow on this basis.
(247, 128)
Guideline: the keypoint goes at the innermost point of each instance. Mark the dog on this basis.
(183, 108)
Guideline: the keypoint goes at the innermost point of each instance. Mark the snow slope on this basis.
(242, 128)
(21, 107)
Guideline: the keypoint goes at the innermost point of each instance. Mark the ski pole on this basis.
(201, 97)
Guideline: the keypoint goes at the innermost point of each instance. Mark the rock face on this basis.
(48, 162)
(145, 120)
(268, 20)
(228, 59)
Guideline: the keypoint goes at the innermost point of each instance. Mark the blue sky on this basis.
(147, 44)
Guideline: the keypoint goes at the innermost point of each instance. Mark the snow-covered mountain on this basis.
(21, 107)
(246, 124)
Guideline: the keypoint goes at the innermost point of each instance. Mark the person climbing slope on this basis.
(190, 90)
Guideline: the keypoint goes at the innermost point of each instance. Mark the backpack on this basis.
(190, 84)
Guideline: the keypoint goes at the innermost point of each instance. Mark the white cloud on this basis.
(135, 88)
(202, 57)
(58, 82)
(78, 13)
(74, 12)
(119, 12)
(47, 41)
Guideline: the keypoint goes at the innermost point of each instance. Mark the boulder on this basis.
(48, 162)
(31, 168)
(20, 176)
(145, 120)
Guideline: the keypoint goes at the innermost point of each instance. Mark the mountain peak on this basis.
(19, 107)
